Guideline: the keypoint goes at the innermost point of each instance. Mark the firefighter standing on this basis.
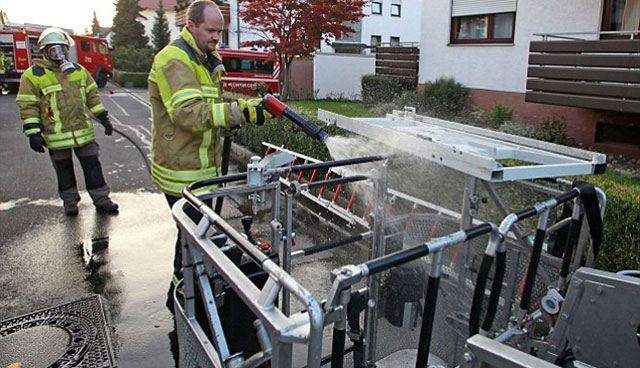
(55, 99)
(188, 114)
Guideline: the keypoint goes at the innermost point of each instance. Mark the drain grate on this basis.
(89, 344)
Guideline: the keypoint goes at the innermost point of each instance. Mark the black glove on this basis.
(104, 120)
(37, 142)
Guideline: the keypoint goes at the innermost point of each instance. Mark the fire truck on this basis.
(20, 47)
(249, 72)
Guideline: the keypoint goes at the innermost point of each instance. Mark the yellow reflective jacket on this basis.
(188, 115)
(58, 105)
(3, 60)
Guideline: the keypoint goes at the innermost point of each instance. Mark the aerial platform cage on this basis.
(431, 277)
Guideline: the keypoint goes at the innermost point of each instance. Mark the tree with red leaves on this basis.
(291, 28)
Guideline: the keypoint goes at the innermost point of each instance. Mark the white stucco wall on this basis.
(498, 67)
(246, 32)
(170, 16)
(406, 26)
(338, 75)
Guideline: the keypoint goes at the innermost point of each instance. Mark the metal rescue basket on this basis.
(410, 282)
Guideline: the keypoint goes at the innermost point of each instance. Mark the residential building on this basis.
(590, 78)
(386, 22)
(236, 31)
(149, 12)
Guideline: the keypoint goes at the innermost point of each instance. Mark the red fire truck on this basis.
(20, 48)
(249, 72)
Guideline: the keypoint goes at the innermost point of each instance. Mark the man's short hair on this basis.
(195, 11)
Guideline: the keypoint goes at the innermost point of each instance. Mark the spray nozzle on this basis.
(279, 109)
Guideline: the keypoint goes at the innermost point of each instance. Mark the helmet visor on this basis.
(58, 52)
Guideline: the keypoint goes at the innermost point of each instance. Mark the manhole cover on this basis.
(69, 335)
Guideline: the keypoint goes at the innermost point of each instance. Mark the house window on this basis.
(492, 21)
(394, 41)
(376, 7)
(395, 7)
(376, 40)
(620, 15)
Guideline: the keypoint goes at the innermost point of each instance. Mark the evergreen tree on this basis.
(160, 33)
(129, 32)
(95, 25)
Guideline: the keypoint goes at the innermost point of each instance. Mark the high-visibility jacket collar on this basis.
(187, 36)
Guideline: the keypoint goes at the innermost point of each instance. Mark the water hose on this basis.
(144, 156)
(278, 108)
(226, 153)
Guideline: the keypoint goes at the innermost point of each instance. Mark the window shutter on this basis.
(461, 8)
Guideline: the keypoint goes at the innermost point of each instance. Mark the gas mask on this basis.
(59, 54)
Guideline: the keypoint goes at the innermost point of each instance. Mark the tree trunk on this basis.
(286, 83)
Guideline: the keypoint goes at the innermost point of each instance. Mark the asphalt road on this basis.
(48, 259)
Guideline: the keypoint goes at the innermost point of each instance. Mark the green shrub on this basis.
(621, 241)
(553, 130)
(493, 118)
(131, 59)
(261, 89)
(130, 79)
(517, 128)
(443, 98)
(500, 114)
(377, 89)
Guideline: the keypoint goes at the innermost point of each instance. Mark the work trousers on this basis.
(62, 161)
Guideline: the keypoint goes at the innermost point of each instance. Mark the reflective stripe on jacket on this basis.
(58, 105)
(188, 116)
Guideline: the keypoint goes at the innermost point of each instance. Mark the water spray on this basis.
(279, 109)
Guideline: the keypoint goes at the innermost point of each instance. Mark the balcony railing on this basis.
(569, 69)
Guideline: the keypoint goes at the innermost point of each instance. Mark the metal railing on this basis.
(572, 35)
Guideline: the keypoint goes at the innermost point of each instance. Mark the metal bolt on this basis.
(371, 303)
(468, 357)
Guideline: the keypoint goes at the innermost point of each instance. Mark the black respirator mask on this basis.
(60, 54)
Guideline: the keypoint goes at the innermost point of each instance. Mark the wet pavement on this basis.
(48, 259)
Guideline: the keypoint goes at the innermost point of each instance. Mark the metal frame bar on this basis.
(471, 150)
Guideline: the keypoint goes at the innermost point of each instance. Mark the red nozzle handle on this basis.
(274, 106)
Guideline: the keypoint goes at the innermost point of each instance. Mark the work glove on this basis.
(254, 111)
(37, 142)
(104, 120)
